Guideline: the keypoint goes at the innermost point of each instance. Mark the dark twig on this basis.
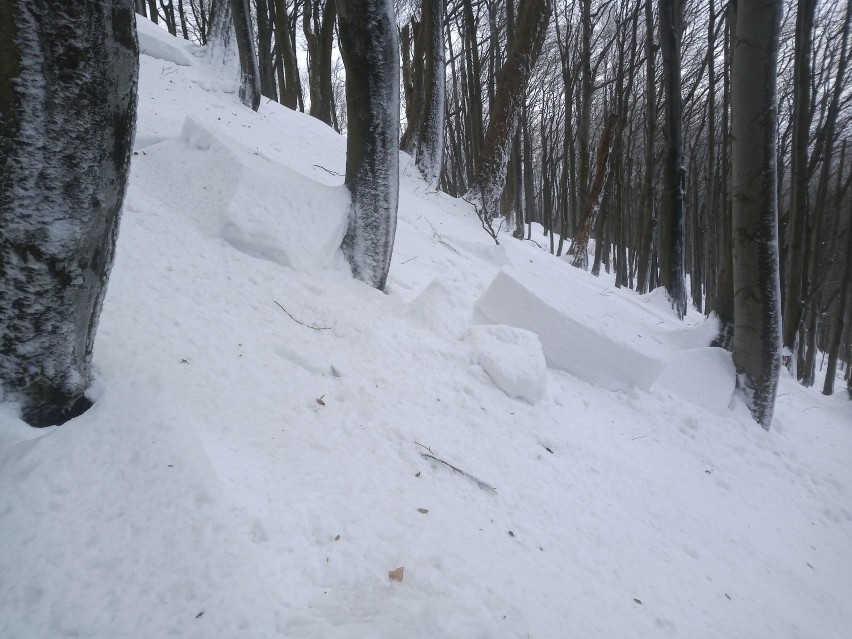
(410, 260)
(431, 455)
(329, 170)
(440, 238)
(316, 328)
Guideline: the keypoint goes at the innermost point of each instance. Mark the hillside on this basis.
(545, 455)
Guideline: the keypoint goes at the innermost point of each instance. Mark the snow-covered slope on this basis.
(264, 445)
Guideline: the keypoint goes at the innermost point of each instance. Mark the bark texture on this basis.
(369, 46)
(512, 82)
(68, 78)
(757, 295)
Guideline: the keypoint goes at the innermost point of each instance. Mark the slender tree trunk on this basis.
(512, 82)
(757, 299)
(369, 46)
(430, 142)
(799, 174)
(647, 224)
(672, 222)
(68, 77)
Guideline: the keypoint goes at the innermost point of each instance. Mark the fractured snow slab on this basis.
(513, 359)
(587, 334)
(158, 43)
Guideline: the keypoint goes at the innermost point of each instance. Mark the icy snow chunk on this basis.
(575, 338)
(159, 43)
(703, 376)
(513, 358)
(441, 308)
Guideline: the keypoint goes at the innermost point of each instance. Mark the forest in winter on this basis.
(436, 318)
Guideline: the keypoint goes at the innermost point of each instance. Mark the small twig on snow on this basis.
(290, 315)
(329, 170)
(440, 238)
(431, 455)
(410, 260)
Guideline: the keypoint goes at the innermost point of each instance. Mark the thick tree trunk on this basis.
(68, 74)
(511, 85)
(672, 223)
(757, 299)
(646, 226)
(370, 49)
(231, 47)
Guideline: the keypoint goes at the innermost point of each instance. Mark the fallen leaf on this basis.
(337, 538)
(319, 400)
(511, 534)
(396, 573)
(417, 474)
(199, 614)
(639, 601)
(423, 511)
(728, 596)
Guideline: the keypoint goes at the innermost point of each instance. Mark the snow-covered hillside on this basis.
(545, 455)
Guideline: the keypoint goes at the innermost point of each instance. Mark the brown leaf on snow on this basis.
(423, 511)
(319, 400)
(396, 573)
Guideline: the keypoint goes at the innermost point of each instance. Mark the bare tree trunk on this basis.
(512, 82)
(319, 34)
(370, 48)
(68, 77)
(799, 174)
(593, 203)
(672, 225)
(646, 233)
(757, 299)
(430, 142)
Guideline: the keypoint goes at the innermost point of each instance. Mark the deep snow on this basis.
(255, 470)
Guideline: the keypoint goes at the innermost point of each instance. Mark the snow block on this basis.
(513, 358)
(577, 338)
(705, 377)
(159, 43)
(260, 207)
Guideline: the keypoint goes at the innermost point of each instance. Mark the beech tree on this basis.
(757, 296)
(369, 45)
(68, 77)
(232, 47)
(533, 18)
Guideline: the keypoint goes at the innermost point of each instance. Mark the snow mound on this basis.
(440, 308)
(703, 376)
(120, 529)
(157, 43)
(513, 358)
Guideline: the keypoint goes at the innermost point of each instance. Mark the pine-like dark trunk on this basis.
(68, 75)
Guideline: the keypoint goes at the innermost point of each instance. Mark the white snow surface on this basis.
(250, 470)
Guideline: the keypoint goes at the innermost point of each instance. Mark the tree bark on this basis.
(672, 224)
(370, 49)
(68, 77)
(757, 298)
(512, 82)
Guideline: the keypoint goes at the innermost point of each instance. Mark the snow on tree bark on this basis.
(757, 296)
(512, 81)
(430, 142)
(370, 50)
(231, 48)
(68, 77)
